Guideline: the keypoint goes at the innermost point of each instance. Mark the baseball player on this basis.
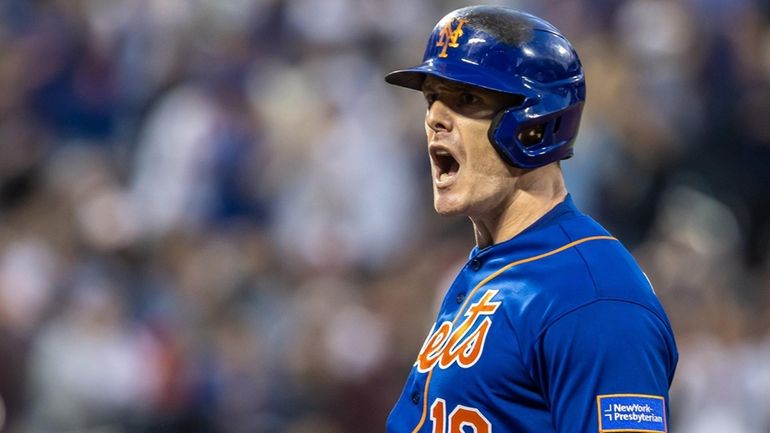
(550, 326)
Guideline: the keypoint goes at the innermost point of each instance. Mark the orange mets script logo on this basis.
(463, 345)
(448, 37)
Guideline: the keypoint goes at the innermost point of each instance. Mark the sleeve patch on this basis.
(631, 413)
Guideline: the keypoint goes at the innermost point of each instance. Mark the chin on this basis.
(449, 212)
(447, 206)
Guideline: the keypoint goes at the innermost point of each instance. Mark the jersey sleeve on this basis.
(607, 366)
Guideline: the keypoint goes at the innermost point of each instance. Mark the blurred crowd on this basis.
(216, 217)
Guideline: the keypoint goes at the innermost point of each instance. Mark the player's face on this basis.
(469, 177)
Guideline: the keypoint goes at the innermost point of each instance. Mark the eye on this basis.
(430, 97)
(467, 98)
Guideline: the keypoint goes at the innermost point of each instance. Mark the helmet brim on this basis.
(472, 75)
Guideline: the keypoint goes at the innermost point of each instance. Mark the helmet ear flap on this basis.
(527, 140)
(512, 140)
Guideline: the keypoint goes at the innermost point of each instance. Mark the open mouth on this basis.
(445, 166)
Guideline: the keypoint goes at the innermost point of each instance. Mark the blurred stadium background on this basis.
(216, 217)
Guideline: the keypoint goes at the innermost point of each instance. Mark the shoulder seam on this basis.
(594, 301)
(585, 262)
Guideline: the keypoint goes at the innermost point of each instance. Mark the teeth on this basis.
(443, 176)
(442, 153)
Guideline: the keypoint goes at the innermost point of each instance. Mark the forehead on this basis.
(435, 84)
(438, 84)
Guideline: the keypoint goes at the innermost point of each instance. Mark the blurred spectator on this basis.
(90, 366)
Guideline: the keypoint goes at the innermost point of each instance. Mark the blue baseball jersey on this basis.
(556, 330)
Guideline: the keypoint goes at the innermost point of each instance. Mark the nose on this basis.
(438, 117)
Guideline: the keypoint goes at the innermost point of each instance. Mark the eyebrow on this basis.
(447, 85)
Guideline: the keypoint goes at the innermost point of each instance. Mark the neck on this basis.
(536, 192)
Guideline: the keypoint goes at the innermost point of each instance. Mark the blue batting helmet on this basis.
(508, 51)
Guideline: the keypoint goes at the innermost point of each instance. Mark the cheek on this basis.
(481, 155)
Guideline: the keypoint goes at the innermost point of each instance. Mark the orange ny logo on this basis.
(448, 37)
